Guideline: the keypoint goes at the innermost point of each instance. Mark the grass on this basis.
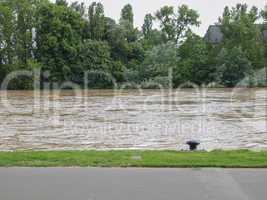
(225, 159)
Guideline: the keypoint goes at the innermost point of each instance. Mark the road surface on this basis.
(132, 184)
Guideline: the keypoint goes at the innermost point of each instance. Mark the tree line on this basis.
(63, 41)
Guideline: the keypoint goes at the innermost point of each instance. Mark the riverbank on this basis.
(124, 158)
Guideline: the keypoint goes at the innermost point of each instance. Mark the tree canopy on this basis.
(65, 40)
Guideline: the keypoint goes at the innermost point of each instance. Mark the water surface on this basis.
(148, 119)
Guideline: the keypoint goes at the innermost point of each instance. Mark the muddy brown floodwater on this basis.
(132, 119)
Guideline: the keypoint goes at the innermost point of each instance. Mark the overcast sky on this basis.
(209, 10)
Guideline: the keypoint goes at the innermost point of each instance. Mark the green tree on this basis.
(69, 39)
(264, 14)
(194, 64)
(127, 23)
(96, 20)
(7, 29)
(159, 60)
(122, 38)
(127, 16)
(176, 24)
(115, 36)
(147, 27)
(95, 59)
(25, 24)
(59, 36)
(240, 29)
(95, 55)
(61, 2)
(165, 16)
(79, 7)
(232, 67)
(151, 37)
(184, 19)
(17, 38)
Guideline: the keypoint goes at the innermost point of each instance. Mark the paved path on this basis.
(132, 184)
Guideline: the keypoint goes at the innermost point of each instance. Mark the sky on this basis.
(209, 10)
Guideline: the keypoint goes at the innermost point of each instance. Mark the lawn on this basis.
(226, 159)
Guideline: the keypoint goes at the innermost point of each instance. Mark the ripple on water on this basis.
(102, 119)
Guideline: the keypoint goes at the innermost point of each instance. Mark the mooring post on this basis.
(193, 145)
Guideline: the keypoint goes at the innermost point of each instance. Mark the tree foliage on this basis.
(175, 24)
(96, 21)
(59, 37)
(194, 61)
(65, 40)
(147, 27)
(240, 30)
(159, 60)
(233, 66)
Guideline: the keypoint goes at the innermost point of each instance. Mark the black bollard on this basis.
(193, 145)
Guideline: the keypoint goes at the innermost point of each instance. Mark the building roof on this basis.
(214, 34)
(265, 34)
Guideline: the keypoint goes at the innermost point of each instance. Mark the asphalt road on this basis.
(132, 184)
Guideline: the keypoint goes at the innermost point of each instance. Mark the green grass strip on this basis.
(170, 159)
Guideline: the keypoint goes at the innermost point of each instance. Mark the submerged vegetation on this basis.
(63, 41)
(228, 159)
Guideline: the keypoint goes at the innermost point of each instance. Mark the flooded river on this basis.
(148, 119)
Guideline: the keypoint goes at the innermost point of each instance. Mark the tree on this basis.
(94, 55)
(17, 38)
(59, 35)
(17, 26)
(7, 51)
(117, 40)
(127, 23)
(175, 25)
(264, 14)
(127, 16)
(232, 67)
(151, 37)
(96, 20)
(184, 20)
(240, 29)
(95, 59)
(159, 61)
(147, 27)
(67, 39)
(79, 7)
(194, 64)
(122, 39)
(25, 23)
(7, 29)
(165, 16)
(61, 2)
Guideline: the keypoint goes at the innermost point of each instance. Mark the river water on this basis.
(133, 119)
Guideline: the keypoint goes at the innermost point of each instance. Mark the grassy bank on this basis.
(231, 159)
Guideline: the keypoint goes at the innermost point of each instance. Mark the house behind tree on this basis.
(214, 34)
